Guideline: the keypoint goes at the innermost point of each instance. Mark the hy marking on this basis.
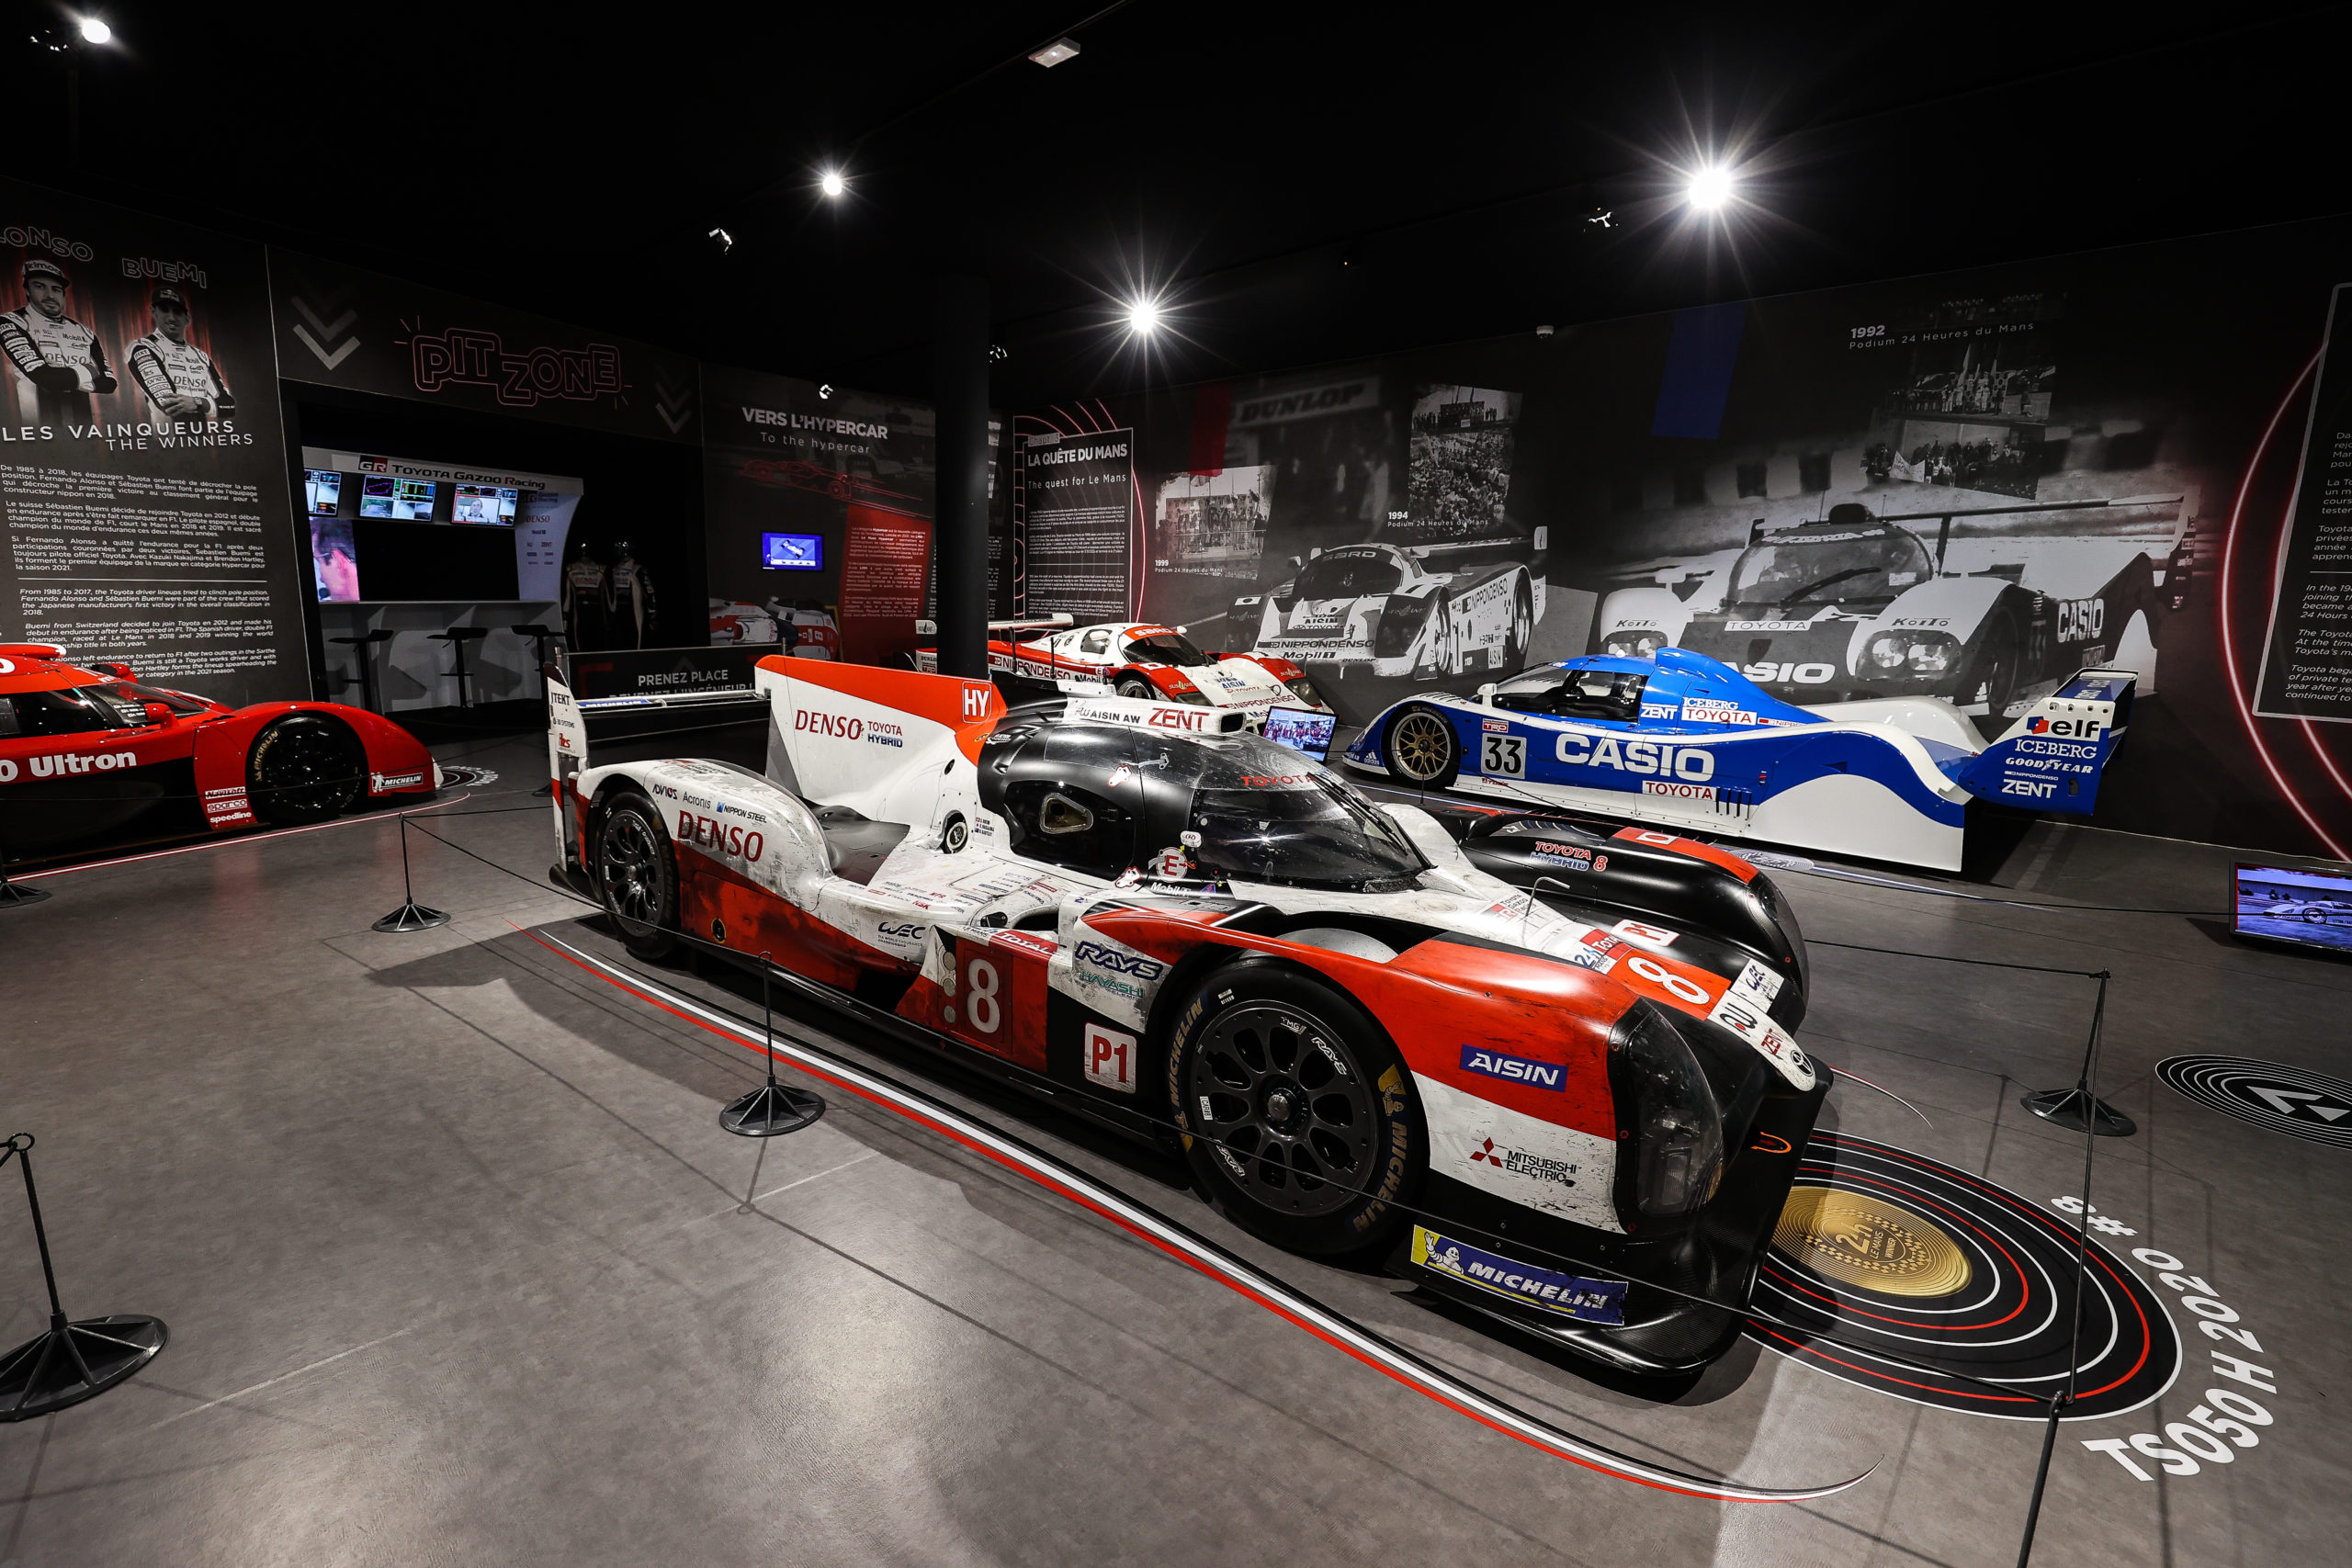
(1145, 1223)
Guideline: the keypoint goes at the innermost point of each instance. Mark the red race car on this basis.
(88, 749)
(1577, 1106)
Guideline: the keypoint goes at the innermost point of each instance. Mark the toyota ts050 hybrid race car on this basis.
(1859, 607)
(1579, 1111)
(1685, 741)
(1132, 659)
(1396, 612)
(87, 749)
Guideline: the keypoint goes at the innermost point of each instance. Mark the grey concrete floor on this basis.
(459, 1267)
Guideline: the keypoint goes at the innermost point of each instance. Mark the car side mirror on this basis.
(1486, 695)
(1295, 563)
(158, 713)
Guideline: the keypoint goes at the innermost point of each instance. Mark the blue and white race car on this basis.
(1688, 742)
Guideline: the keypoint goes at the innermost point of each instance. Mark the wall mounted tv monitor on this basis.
(323, 489)
(1303, 730)
(2279, 903)
(375, 496)
(413, 500)
(792, 552)
(484, 503)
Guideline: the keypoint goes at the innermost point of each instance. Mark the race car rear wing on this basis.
(2051, 759)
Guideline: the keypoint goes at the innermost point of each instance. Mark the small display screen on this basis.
(375, 496)
(413, 500)
(792, 552)
(1303, 730)
(484, 503)
(2292, 904)
(322, 488)
(335, 560)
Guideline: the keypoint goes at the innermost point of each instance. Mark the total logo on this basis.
(839, 726)
(59, 764)
(727, 838)
(2088, 729)
(1693, 762)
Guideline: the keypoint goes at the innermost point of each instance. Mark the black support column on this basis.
(961, 535)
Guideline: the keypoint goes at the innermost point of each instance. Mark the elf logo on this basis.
(2066, 729)
(1693, 762)
(1513, 1070)
(2080, 620)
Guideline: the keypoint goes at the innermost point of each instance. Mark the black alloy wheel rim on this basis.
(308, 767)
(630, 869)
(1285, 1109)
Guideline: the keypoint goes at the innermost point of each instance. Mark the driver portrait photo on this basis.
(58, 362)
(180, 380)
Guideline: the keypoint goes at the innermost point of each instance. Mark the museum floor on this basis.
(459, 1267)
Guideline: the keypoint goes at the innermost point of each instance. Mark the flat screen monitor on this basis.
(2281, 903)
(483, 503)
(413, 500)
(323, 489)
(335, 560)
(1303, 730)
(792, 552)
(375, 496)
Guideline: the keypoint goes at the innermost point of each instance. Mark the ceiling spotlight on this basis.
(725, 241)
(1054, 53)
(832, 184)
(96, 31)
(1709, 188)
(1601, 218)
(997, 353)
(825, 390)
(1143, 316)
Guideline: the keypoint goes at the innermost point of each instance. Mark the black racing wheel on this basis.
(1302, 1122)
(1992, 677)
(1522, 625)
(1420, 747)
(1136, 686)
(637, 875)
(306, 767)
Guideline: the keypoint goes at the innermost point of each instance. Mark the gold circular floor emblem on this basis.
(1856, 1239)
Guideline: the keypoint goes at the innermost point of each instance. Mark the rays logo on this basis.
(1135, 963)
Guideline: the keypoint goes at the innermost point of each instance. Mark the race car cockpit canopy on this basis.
(1828, 563)
(1163, 645)
(1576, 691)
(1100, 800)
(1350, 574)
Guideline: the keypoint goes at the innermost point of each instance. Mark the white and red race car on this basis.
(1049, 655)
(805, 625)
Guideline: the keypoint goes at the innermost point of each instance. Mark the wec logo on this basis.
(1135, 963)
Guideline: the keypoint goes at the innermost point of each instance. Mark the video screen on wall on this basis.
(2291, 904)
(792, 552)
(484, 503)
(322, 491)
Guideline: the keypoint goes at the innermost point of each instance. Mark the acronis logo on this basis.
(1513, 1070)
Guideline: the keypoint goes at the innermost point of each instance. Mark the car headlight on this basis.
(1632, 645)
(1304, 690)
(1919, 653)
(1193, 696)
(1678, 1132)
(1933, 653)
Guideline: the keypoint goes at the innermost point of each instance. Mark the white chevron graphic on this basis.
(325, 329)
(329, 360)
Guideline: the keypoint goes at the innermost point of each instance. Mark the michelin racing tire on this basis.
(1994, 670)
(1300, 1119)
(1421, 749)
(1522, 627)
(304, 768)
(1135, 686)
(637, 876)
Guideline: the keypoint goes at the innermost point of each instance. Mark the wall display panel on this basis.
(516, 522)
(1966, 487)
(147, 511)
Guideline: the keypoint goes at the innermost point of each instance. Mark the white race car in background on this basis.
(1047, 655)
(1857, 606)
(808, 626)
(1396, 611)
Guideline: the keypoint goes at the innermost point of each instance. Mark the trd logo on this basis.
(1135, 963)
(2080, 620)
(1513, 1070)
(2065, 728)
(726, 838)
(839, 727)
(976, 701)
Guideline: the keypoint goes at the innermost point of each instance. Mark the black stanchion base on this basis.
(769, 1109)
(2073, 1109)
(16, 894)
(411, 917)
(74, 1362)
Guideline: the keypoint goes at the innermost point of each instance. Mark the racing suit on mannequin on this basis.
(584, 591)
(629, 600)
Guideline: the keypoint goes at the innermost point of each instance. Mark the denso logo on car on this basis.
(726, 837)
(838, 725)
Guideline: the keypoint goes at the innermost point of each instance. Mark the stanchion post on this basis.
(2077, 1108)
(410, 916)
(14, 895)
(773, 1107)
(68, 1362)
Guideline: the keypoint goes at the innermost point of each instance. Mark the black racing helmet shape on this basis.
(1100, 799)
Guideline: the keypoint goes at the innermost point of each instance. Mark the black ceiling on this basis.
(1303, 182)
